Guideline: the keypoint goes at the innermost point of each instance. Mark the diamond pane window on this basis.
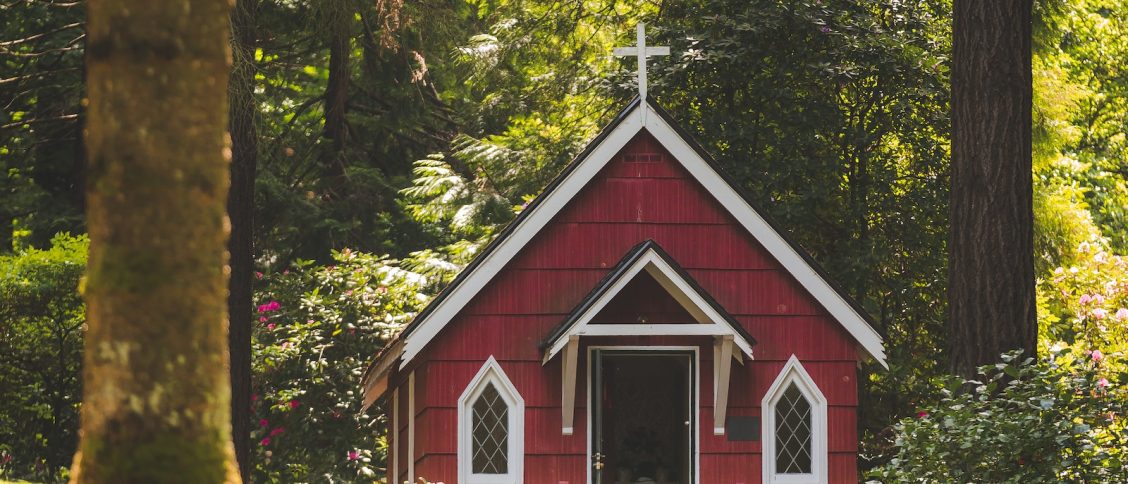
(490, 432)
(793, 432)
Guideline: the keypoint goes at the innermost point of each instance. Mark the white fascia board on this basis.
(775, 244)
(532, 224)
(713, 182)
(713, 322)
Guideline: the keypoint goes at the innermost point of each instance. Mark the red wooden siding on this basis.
(643, 194)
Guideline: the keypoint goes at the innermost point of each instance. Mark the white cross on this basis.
(641, 50)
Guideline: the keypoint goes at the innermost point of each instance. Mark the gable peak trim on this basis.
(598, 153)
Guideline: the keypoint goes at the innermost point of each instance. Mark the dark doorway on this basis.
(642, 423)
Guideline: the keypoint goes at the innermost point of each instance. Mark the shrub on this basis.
(1085, 305)
(1060, 419)
(42, 320)
(317, 329)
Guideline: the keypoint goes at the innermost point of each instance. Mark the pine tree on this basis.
(991, 264)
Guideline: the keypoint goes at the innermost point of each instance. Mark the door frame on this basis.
(695, 404)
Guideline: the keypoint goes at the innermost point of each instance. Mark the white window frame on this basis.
(793, 372)
(491, 372)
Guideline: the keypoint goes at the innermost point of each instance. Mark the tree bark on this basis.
(991, 265)
(240, 208)
(156, 404)
(337, 100)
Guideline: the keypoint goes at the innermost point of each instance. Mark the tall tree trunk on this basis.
(991, 265)
(240, 208)
(337, 97)
(156, 403)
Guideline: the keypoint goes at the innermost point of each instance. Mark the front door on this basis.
(642, 419)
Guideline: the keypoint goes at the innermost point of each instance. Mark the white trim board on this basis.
(542, 212)
(411, 427)
(393, 468)
(695, 404)
(709, 322)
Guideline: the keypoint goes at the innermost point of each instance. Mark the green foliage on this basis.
(1060, 419)
(833, 116)
(318, 328)
(1091, 45)
(42, 320)
(1085, 305)
(41, 76)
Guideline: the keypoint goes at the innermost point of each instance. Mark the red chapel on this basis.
(639, 322)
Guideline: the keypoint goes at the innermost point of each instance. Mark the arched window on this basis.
(794, 430)
(491, 417)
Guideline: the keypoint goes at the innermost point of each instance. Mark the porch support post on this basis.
(722, 366)
(568, 384)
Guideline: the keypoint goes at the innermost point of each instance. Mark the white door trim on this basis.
(696, 404)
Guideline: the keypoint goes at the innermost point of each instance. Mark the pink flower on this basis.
(824, 29)
(1085, 299)
(262, 319)
(353, 455)
(1099, 313)
(258, 275)
(1098, 299)
(1102, 383)
(294, 403)
(922, 414)
(264, 423)
(1096, 355)
(265, 441)
(270, 326)
(1122, 314)
(268, 307)
(277, 431)
(254, 397)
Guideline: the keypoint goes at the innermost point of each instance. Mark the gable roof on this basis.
(650, 257)
(446, 305)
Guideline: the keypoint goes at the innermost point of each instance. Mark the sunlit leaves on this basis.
(309, 354)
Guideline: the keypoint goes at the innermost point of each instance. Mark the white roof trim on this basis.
(542, 212)
(710, 322)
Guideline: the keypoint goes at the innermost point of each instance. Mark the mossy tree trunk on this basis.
(156, 402)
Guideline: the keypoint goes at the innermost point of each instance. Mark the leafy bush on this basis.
(42, 320)
(1059, 419)
(1085, 305)
(318, 327)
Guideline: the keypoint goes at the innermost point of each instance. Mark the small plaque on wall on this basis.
(742, 429)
